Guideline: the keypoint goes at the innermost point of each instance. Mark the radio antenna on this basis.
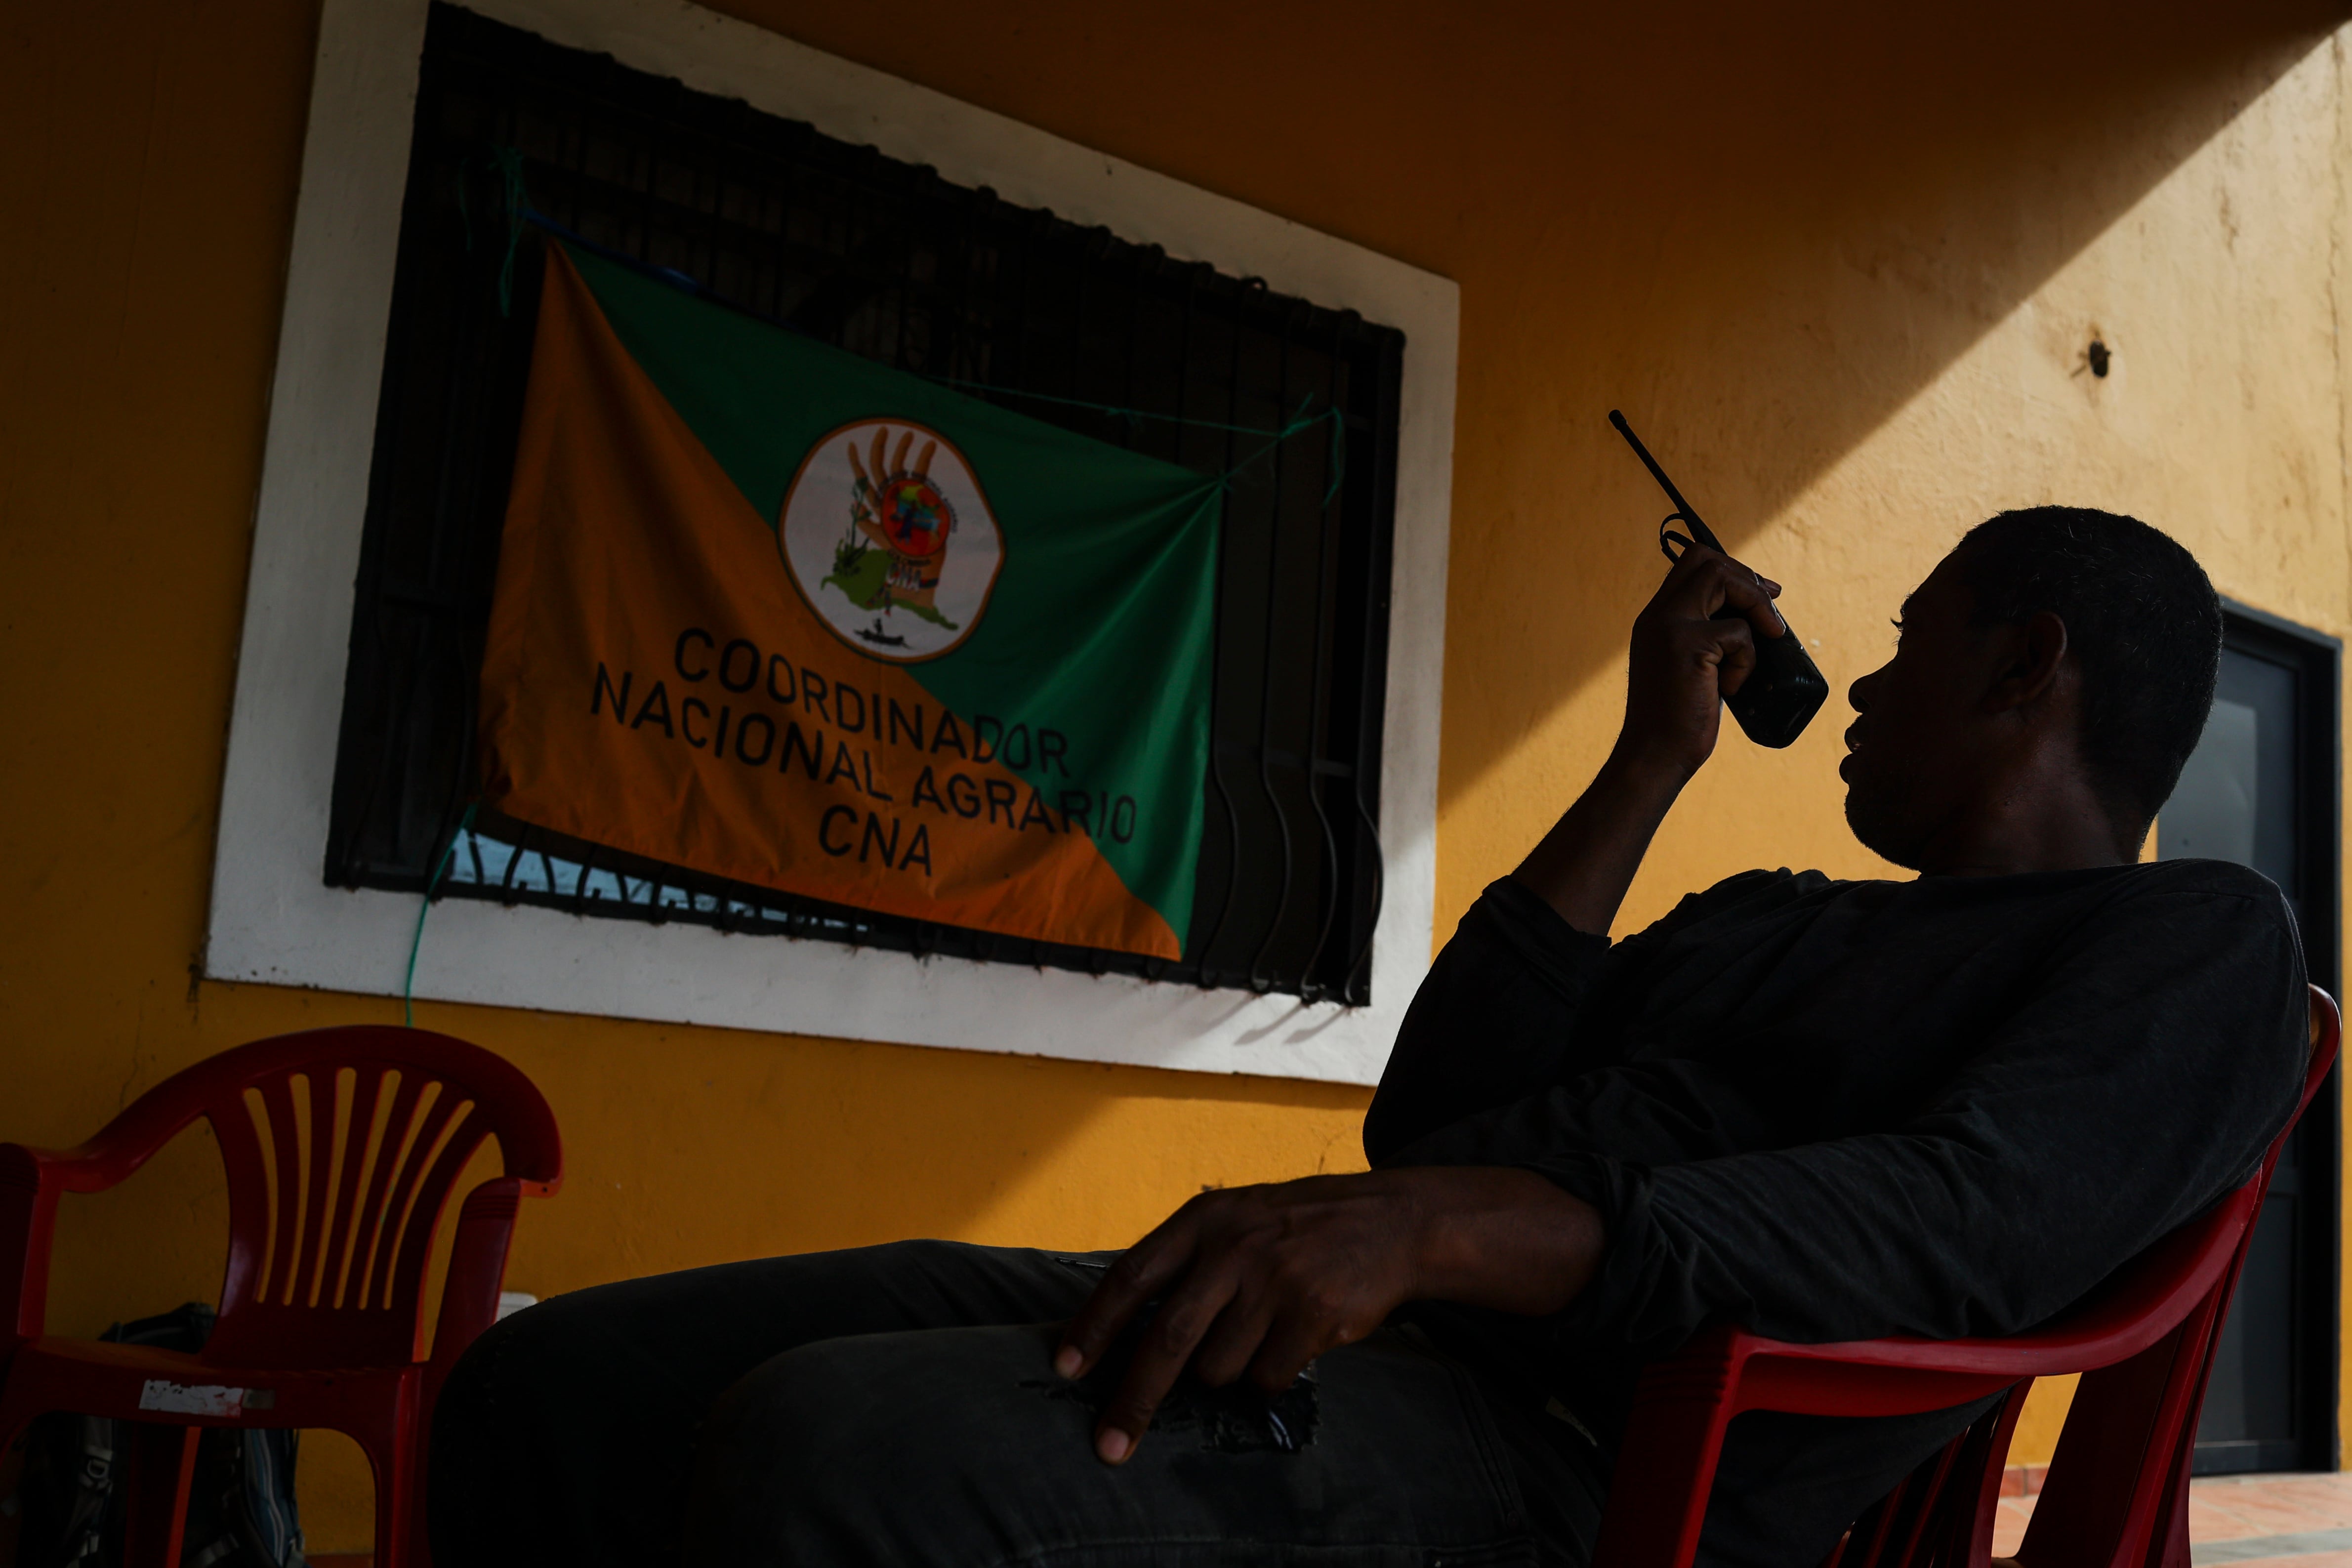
(1684, 511)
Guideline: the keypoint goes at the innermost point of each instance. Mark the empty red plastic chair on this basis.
(2117, 1492)
(342, 1146)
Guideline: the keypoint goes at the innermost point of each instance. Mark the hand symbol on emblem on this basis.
(901, 511)
(864, 527)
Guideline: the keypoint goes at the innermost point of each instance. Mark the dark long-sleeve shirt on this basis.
(1829, 1111)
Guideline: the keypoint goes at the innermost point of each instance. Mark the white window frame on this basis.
(275, 921)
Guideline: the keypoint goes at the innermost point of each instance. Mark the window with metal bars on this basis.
(1067, 325)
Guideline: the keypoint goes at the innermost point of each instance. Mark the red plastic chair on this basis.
(341, 1146)
(2116, 1495)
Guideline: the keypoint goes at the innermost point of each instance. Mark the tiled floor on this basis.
(2244, 1521)
(2235, 1522)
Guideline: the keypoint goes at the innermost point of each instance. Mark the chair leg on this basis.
(15, 1417)
(162, 1468)
(393, 1460)
(420, 1537)
(396, 1545)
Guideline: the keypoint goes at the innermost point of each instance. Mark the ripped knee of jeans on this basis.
(1237, 1419)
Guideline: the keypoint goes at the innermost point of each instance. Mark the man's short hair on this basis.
(2141, 618)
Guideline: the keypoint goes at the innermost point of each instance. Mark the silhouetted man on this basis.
(1822, 1110)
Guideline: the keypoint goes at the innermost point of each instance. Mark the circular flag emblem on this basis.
(888, 537)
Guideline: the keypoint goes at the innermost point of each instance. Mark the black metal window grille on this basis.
(888, 261)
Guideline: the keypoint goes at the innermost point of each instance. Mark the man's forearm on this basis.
(1258, 1281)
(1497, 1237)
(1692, 646)
(1587, 861)
(1481, 1033)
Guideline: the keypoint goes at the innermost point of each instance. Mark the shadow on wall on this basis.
(1760, 230)
(1762, 243)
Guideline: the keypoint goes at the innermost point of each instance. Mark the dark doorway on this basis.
(2261, 789)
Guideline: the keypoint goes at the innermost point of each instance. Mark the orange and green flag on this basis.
(771, 611)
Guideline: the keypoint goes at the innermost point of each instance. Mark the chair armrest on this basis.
(2128, 1336)
(90, 1167)
(2139, 1305)
(1684, 1404)
(478, 1266)
(1666, 1466)
(123, 1144)
(29, 1217)
(30, 1181)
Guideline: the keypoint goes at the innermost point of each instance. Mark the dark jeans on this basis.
(895, 1405)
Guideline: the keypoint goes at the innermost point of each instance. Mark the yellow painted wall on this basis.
(1841, 266)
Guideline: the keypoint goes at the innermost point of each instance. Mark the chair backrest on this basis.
(2116, 1492)
(342, 1146)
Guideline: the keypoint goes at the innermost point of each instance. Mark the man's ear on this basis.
(2027, 657)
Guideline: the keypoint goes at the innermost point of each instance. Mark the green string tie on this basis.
(417, 939)
(1298, 425)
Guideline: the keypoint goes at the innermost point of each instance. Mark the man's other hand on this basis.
(1257, 1281)
(1693, 645)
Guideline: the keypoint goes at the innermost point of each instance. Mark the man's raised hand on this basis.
(1693, 645)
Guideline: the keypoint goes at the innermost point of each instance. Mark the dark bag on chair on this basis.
(241, 1510)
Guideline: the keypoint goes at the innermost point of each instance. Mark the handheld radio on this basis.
(1785, 690)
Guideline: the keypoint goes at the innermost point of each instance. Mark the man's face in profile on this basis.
(1918, 746)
